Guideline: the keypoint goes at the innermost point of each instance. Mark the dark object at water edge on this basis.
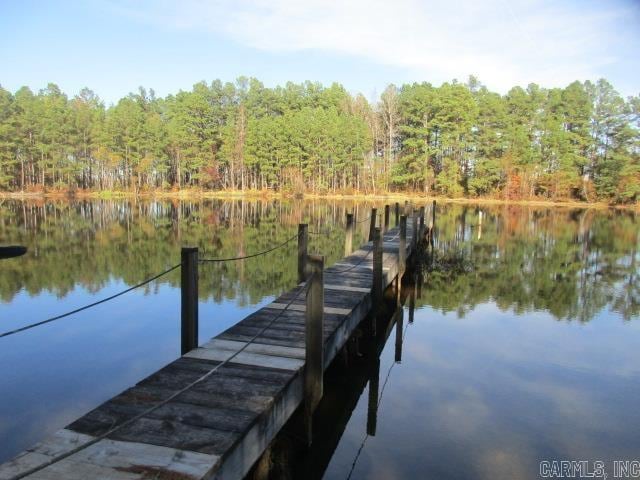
(12, 251)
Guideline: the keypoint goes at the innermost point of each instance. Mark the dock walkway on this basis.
(221, 404)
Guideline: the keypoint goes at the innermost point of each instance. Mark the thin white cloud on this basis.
(503, 42)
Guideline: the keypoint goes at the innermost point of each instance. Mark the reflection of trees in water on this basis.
(572, 263)
(91, 243)
(569, 262)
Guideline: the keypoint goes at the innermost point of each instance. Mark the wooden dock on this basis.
(216, 427)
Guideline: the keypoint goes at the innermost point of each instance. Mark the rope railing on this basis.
(253, 255)
(77, 310)
(160, 404)
(155, 277)
(141, 284)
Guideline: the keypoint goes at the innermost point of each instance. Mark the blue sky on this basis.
(114, 46)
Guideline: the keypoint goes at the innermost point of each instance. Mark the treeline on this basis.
(580, 142)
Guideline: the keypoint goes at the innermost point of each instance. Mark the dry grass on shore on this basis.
(189, 194)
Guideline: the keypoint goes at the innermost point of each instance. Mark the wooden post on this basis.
(376, 288)
(372, 225)
(421, 230)
(433, 214)
(314, 348)
(406, 207)
(402, 248)
(386, 217)
(303, 241)
(397, 214)
(189, 299)
(348, 239)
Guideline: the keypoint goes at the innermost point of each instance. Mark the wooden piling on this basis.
(397, 214)
(372, 224)
(189, 299)
(433, 214)
(314, 355)
(348, 239)
(303, 242)
(386, 217)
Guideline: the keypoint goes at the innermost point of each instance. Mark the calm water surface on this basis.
(523, 345)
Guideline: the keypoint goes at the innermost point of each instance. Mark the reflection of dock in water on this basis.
(345, 380)
(214, 411)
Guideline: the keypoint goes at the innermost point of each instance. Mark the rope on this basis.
(361, 221)
(58, 317)
(163, 402)
(208, 260)
(149, 280)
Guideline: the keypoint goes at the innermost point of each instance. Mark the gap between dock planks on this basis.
(219, 427)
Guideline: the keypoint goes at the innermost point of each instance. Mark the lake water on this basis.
(524, 344)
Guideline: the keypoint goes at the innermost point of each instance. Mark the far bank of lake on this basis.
(194, 194)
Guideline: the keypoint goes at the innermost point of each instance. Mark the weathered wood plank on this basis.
(347, 288)
(103, 418)
(174, 434)
(302, 308)
(108, 459)
(246, 358)
(145, 460)
(240, 337)
(61, 442)
(260, 348)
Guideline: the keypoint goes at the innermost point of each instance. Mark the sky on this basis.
(114, 46)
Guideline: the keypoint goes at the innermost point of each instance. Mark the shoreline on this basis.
(253, 194)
